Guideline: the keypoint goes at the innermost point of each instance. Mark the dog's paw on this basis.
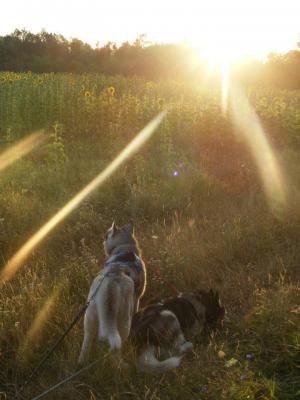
(81, 361)
(79, 365)
(115, 341)
(186, 347)
(175, 362)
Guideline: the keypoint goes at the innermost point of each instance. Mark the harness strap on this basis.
(97, 288)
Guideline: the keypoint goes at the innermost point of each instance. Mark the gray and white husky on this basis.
(158, 331)
(115, 293)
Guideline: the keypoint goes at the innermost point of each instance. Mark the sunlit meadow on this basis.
(214, 196)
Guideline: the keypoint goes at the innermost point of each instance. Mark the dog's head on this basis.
(214, 311)
(116, 237)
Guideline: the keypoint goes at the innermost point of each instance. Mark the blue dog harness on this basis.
(124, 259)
(120, 260)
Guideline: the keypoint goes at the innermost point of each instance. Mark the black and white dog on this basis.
(158, 331)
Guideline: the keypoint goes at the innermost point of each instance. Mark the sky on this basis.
(218, 28)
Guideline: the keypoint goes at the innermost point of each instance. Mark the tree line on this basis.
(23, 51)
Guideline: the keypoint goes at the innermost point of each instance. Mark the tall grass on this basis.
(209, 225)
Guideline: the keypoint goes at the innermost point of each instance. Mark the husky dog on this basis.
(159, 329)
(115, 293)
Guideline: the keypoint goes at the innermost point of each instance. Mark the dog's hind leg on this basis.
(124, 324)
(108, 312)
(125, 317)
(89, 328)
(147, 362)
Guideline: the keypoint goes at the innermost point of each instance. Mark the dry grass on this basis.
(201, 229)
(258, 282)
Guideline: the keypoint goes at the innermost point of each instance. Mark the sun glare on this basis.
(20, 256)
(225, 73)
(250, 128)
(40, 320)
(21, 148)
(230, 30)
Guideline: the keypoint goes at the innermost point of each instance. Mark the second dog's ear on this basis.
(129, 228)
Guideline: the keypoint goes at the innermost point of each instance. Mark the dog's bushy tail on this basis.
(147, 362)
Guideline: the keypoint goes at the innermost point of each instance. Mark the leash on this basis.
(39, 368)
(170, 285)
(115, 261)
(69, 378)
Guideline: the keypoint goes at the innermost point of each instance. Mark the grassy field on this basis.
(210, 224)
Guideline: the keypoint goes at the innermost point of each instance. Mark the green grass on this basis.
(211, 226)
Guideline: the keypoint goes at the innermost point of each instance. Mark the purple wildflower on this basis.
(204, 388)
(200, 389)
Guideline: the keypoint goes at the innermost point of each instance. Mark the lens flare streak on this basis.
(21, 148)
(248, 124)
(15, 262)
(225, 71)
(40, 319)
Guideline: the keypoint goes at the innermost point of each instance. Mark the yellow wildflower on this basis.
(111, 90)
(231, 362)
(221, 354)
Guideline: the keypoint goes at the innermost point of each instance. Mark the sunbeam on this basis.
(225, 71)
(248, 124)
(40, 319)
(15, 262)
(21, 148)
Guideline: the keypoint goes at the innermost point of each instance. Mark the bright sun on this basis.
(225, 31)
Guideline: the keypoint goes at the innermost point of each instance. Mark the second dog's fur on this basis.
(120, 284)
(158, 331)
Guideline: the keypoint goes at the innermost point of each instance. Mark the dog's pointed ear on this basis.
(129, 228)
(113, 228)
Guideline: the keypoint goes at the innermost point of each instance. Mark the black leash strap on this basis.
(39, 368)
(56, 344)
